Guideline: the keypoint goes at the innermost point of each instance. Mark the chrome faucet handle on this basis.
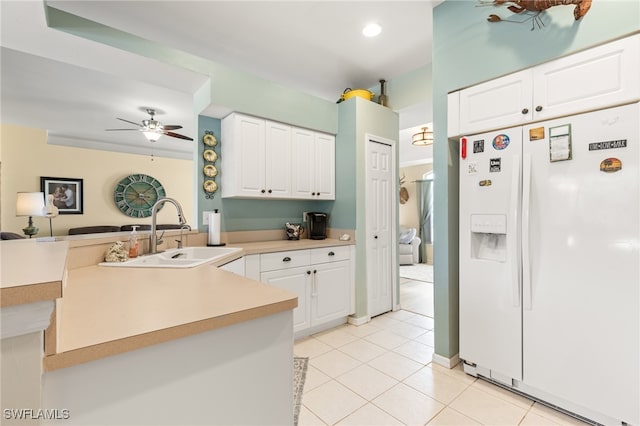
(183, 228)
(159, 239)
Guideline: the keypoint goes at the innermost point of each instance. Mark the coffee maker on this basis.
(317, 223)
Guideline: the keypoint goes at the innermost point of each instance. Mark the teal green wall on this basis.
(244, 214)
(468, 50)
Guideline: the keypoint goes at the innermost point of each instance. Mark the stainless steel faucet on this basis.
(153, 239)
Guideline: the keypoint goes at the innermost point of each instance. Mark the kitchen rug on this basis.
(300, 365)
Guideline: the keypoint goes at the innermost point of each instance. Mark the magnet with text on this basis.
(495, 164)
(536, 133)
(500, 142)
(478, 146)
(610, 165)
(472, 168)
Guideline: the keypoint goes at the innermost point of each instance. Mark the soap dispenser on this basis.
(133, 243)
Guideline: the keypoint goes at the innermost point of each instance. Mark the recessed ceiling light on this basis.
(372, 30)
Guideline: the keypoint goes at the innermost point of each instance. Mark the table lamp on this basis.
(50, 211)
(30, 204)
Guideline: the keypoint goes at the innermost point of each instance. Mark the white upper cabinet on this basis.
(314, 165)
(267, 159)
(596, 78)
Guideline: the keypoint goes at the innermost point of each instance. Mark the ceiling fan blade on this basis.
(111, 130)
(171, 127)
(137, 124)
(177, 135)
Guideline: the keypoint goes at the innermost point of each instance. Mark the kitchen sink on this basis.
(187, 257)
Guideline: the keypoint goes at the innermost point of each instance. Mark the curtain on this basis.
(425, 214)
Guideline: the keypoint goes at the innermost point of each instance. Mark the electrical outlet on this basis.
(304, 216)
(205, 217)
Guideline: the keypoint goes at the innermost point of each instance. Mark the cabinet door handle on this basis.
(313, 193)
(315, 271)
(286, 259)
(270, 191)
(539, 108)
(331, 253)
(263, 191)
(308, 272)
(525, 111)
(375, 237)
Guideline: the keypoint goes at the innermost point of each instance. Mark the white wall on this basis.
(408, 212)
(26, 157)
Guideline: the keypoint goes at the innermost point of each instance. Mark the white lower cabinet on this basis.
(322, 278)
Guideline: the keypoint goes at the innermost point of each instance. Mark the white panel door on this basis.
(298, 281)
(303, 166)
(249, 134)
(278, 160)
(490, 307)
(581, 297)
(330, 291)
(505, 101)
(599, 77)
(380, 202)
(325, 167)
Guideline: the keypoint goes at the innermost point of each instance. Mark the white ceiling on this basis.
(75, 88)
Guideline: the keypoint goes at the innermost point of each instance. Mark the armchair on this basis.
(409, 246)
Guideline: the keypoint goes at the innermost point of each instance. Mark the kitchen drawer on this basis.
(284, 260)
(329, 254)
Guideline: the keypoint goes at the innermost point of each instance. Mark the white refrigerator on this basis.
(550, 261)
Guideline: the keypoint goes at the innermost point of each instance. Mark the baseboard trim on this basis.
(446, 362)
(359, 321)
(396, 308)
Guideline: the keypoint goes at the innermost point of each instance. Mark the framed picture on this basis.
(67, 193)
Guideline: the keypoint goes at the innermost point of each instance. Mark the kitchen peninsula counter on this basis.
(110, 310)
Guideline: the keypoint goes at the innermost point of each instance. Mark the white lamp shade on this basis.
(152, 136)
(30, 204)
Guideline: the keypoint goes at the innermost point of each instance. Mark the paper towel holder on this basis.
(218, 236)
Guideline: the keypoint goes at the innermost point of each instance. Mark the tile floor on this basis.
(381, 373)
(416, 296)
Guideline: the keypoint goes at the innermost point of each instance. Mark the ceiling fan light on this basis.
(152, 136)
(423, 138)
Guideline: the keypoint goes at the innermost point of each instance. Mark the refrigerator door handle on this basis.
(526, 204)
(513, 232)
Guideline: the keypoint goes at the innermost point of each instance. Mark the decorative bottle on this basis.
(383, 99)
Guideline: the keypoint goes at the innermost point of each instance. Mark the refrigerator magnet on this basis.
(495, 164)
(610, 165)
(485, 182)
(560, 143)
(478, 146)
(536, 134)
(500, 142)
(472, 168)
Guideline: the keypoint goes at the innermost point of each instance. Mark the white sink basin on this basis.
(187, 257)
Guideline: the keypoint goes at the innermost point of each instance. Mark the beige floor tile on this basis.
(426, 338)
(504, 394)
(555, 415)
(336, 337)
(370, 415)
(386, 339)
(395, 365)
(416, 351)
(487, 408)
(332, 402)
(408, 405)
(436, 384)
(406, 330)
(422, 321)
(334, 363)
(367, 382)
(362, 350)
(449, 417)
(307, 418)
(310, 347)
(455, 372)
(314, 378)
(384, 321)
(361, 330)
(401, 315)
(533, 419)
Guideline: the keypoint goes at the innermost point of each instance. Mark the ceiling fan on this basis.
(153, 129)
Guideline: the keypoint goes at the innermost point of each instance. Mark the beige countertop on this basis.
(285, 245)
(31, 271)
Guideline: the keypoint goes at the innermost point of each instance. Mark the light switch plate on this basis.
(205, 217)
(304, 216)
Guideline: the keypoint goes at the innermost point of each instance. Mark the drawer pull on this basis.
(331, 253)
(525, 111)
(286, 259)
(308, 272)
(539, 108)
